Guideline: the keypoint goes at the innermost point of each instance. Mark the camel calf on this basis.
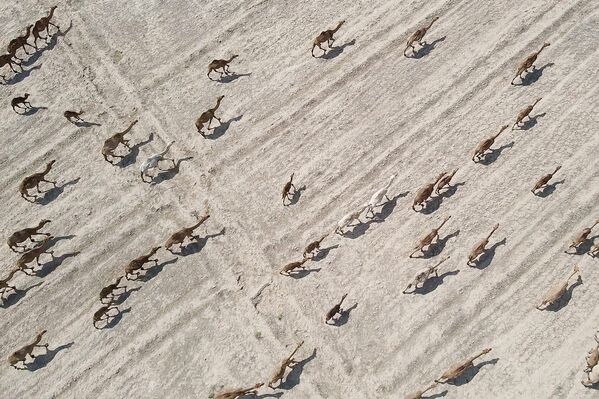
(428, 239)
(239, 392)
(108, 291)
(113, 142)
(134, 267)
(459, 368)
(285, 271)
(180, 236)
(73, 116)
(314, 246)
(423, 276)
(544, 180)
(34, 254)
(220, 64)
(20, 102)
(325, 36)
(424, 193)
(581, 237)
(25, 234)
(479, 247)
(20, 355)
(485, 145)
(557, 291)
(334, 310)
(287, 362)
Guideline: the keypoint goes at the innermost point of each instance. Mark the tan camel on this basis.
(557, 291)
(34, 180)
(334, 310)
(418, 36)
(108, 291)
(285, 271)
(20, 41)
(445, 180)
(43, 24)
(104, 314)
(427, 240)
(134, 267)
(424, 193)
(528, 62)
(25, 234)
(479, 247)
(581, 237)
(423, 276)
(239, 392)
(485, 145)
(4, 286)
(220, 64)
(20, 102)
(418, 394)
(21, 354)
(325, 36)
(287, 189)
(591, 380)
(544, 180)
(592, 357)
(34, 254)
(287, 362)
(73, 116)
(314, 246)
(113, 142)
(180, 236)
(207, 116)
(459, 368)
(525, 113)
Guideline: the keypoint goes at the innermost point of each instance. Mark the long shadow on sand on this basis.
(549, 189)
(293, 378)
(194, 248)
(131, 157)
(494, 154)
(42, 361)
(55, 192)
(533, 75)
(583, 247)
(323, 253)
(379, 217)
(337, 50)
(49, 267)
(565, 299)
(15, 296)
(427, 48)
(471, 373)
(155, 270)
(168, 174)
(434, 282)
(434, 203)
(220, 130)
(485, 259)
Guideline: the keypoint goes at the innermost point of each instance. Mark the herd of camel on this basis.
(31, 243)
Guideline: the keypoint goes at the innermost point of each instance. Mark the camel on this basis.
(180, 236)
(285, 271)
(528, 62)
(479, 248)
(459, 368)
(581, 237)
(325, 36)
(418, 36)
(34, 254)
(525, 113)
(445, 180)
(136, 265)
(314, 245)
(544, 180)
(25, 234)
(418, 394)
(424, 193)
(220, 64)
(7, 59)
(103, 314)
(239, 392)
(21, 354)
(349, 218)
(108, 291)
(378, 196)
(113, 142)
(19, 42)
(334, 311)
(20, 102)
(153, 162)
(73, 116)
(207, 116)
(591, 380)
(44, 24)
(287, 189)
(557, 291)
(34, 180)
(423, 276)
(4, 286)
(592, 358)
(428, 239)
(485, 145)
(287, 362)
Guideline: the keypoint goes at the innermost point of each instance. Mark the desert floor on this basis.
(220, 314)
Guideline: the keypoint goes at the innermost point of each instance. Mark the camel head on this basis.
(546, 44)
(155, 249)
(44, 222)
(434, 19)
(220, 98)
(41, 333)
(49, 165)
(26, 95)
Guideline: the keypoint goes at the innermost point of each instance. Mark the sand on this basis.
(222, 315)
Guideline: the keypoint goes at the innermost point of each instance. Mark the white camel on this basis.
(152, 162)
(349, 218)
(377, 197)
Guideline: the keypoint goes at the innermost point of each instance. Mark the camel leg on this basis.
(416, 250)
(51, 182)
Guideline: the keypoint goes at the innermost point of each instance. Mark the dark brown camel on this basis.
(207, 116)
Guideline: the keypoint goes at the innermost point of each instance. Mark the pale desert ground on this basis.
(222, 315)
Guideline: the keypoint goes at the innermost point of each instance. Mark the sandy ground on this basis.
(222, 315)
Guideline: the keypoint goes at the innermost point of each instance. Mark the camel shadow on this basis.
(55, 192)
(438, 246)
(337, 50)
(583, 247)
(85, 123)
(124, 295)
(155, 270)
(565, 299)
(437, 395)
(31, 111)
(548, 189)
(131, 157)
(15, 296)
(530, 122)
(343, 316)
(116, 319)
(450, 190)
(232, 77)
(494, 154)
(219, 131)
(323, 253)
(194, 248)
(296, 195)
(434, 203)
(433, 283)
(386, 210)
(49, 45)
(20, 76)
(487, 256)
(469, 374)
(49, 267)
(42, 361)
(534, 75)
(301, 273)
(294, 376)
(55, 240)
(169, 173)
(427, 48)
(262, 396)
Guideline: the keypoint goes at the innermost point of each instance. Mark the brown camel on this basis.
(103, 314)
(557, 291)
(180, 236)
(239, 392)
(325, 36)
(20, 41)
(220, 64)
(483, 146)
(21, 354)
(33, 181)
(287, 362)
(459, 368)
(108, 291)
(134, 267)
(525, 113)
(334, 311)
(544, 180)
(479, 248)
(7, 59)
(592, 357)
(43, 24)
(528, 62)
(285, 271)
(581, 237)
(424, 193)
(287, 189)
(314, 245)
(445, 180)
(418, 394)
(20, 102)
(113, 142)
(427, 240)
(34, 254)
(418, 36)
(25, 234)
(4, 286)
(423, 276)
(207, 116)
(73, 116)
